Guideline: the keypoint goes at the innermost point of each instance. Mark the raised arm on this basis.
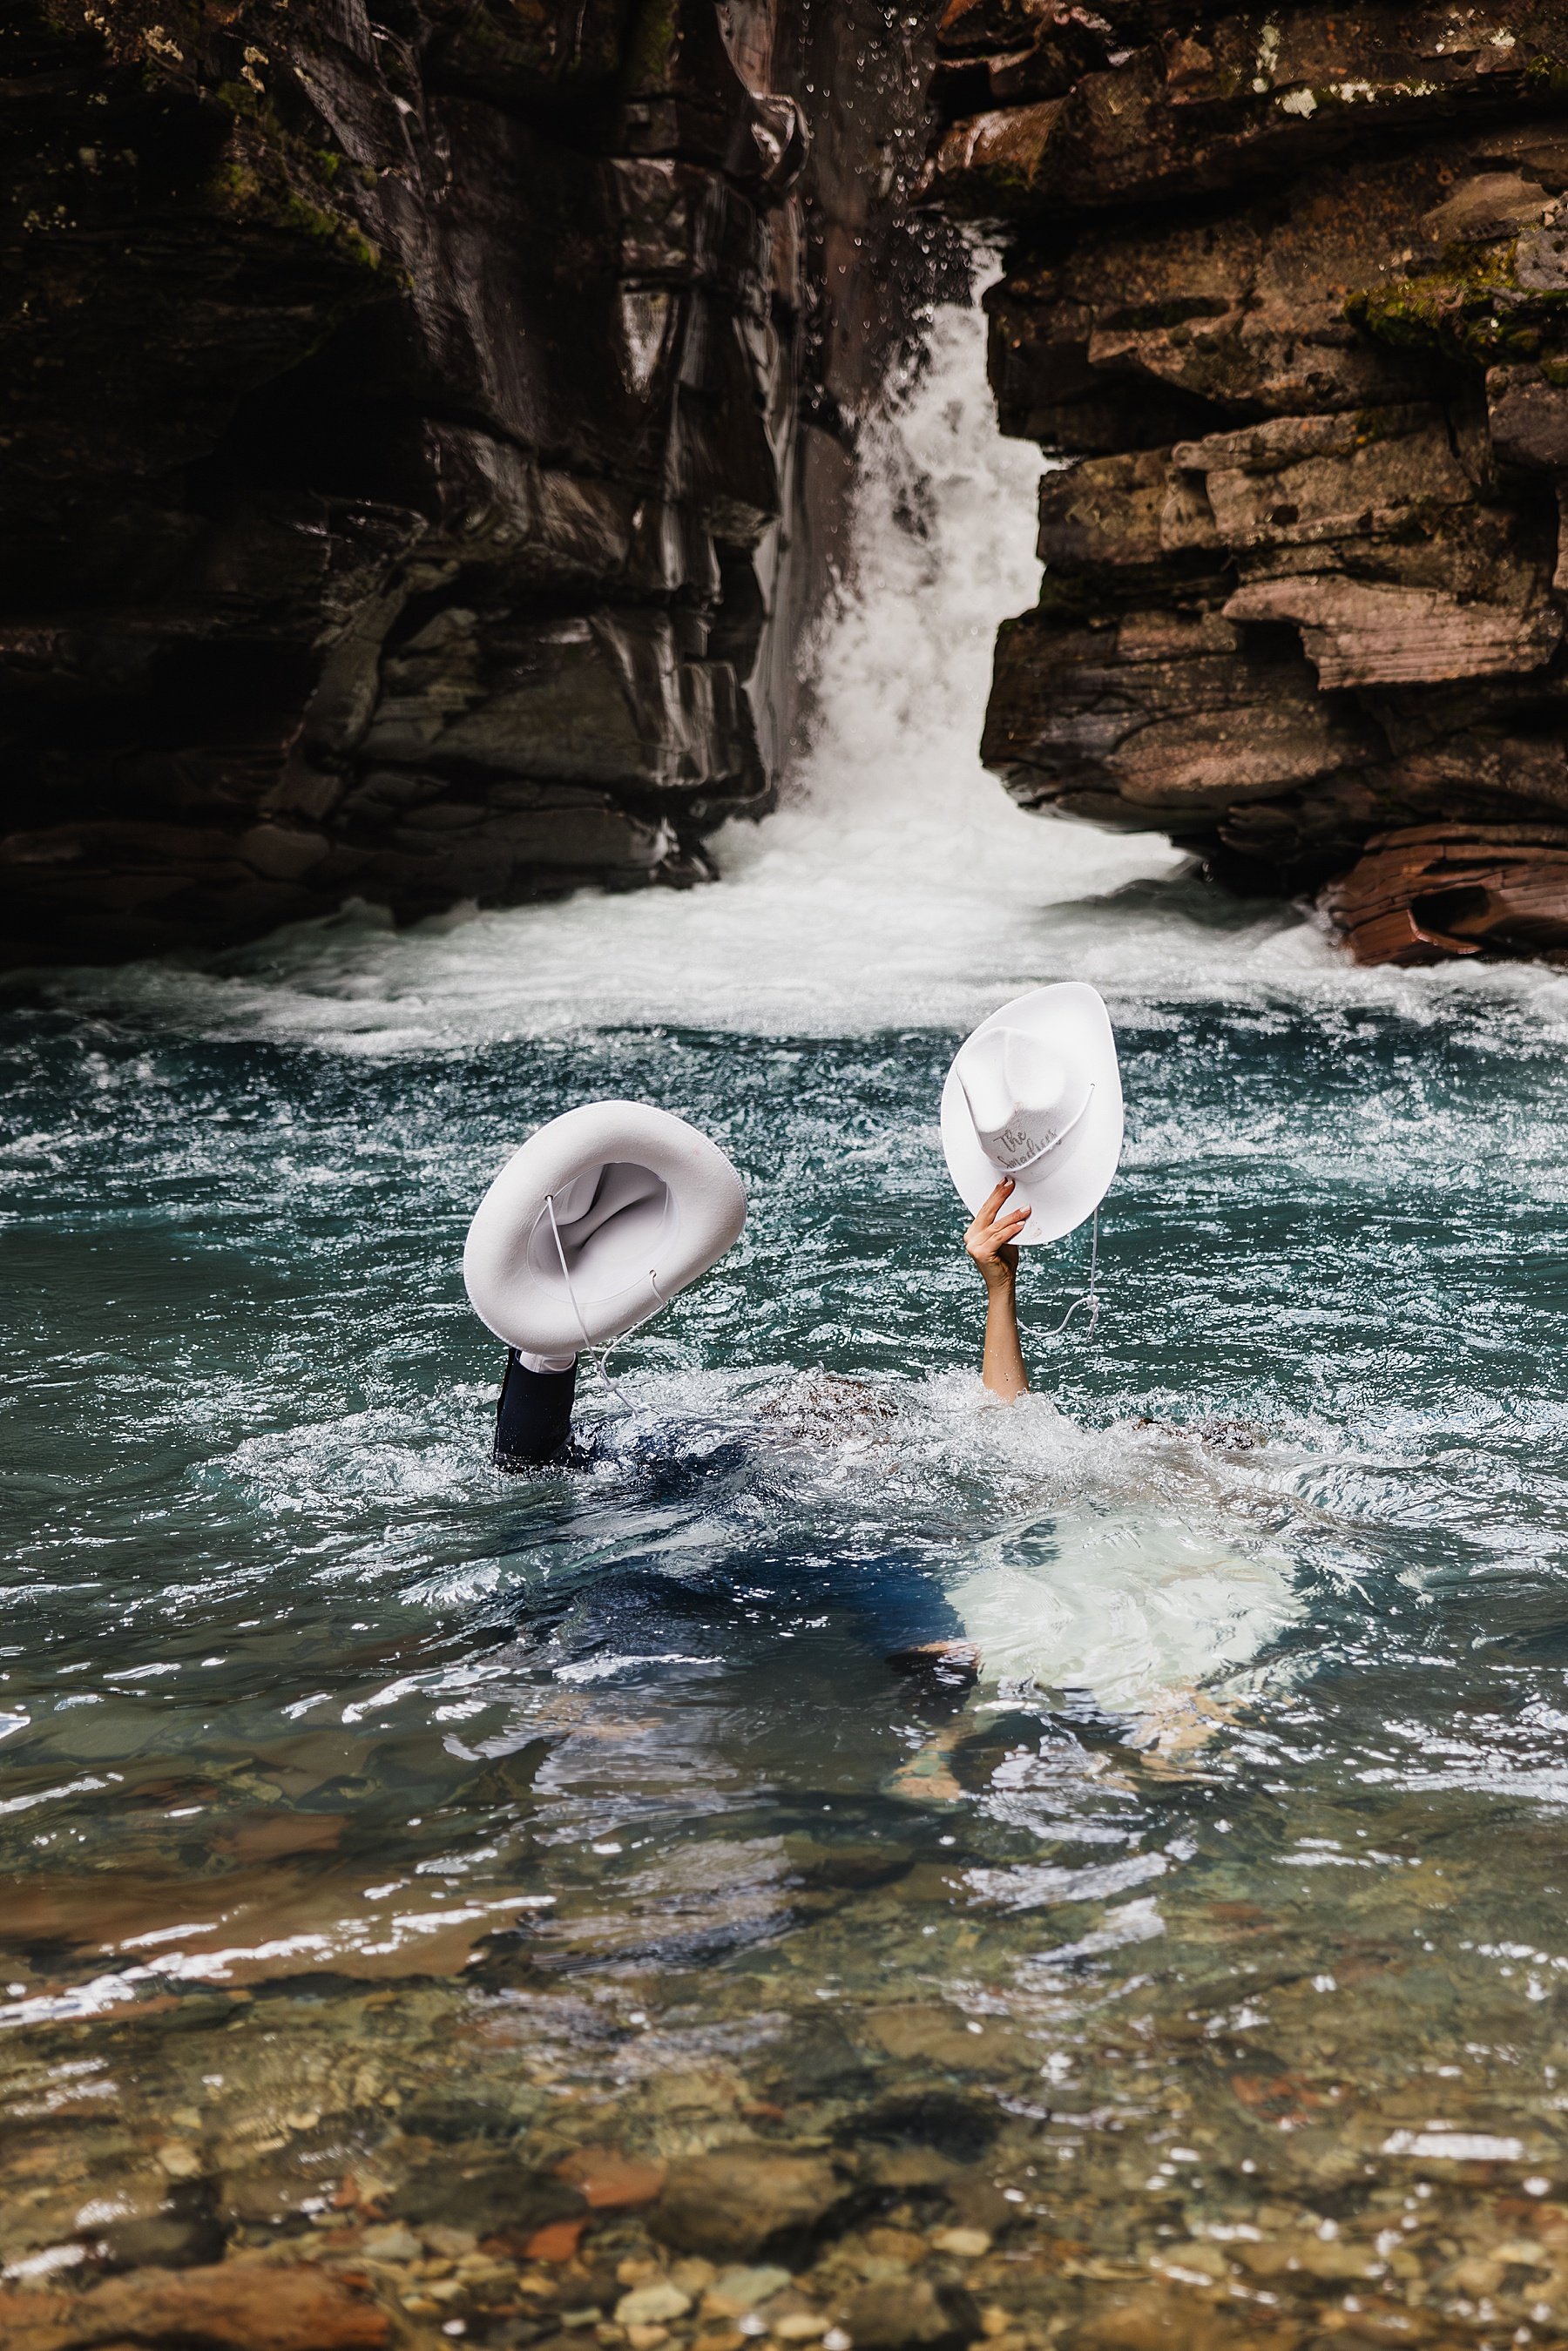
(990, 1242)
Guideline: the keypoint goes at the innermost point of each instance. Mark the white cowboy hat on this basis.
(1036, 1094)
(596, 1223)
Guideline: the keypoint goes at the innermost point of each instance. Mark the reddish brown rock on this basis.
(1359, 634)
(558, 2241)
(236, 2306)
(1289, 294)
(1156, 718)
(609, 2179)
(1193, 100)
(1434, 891)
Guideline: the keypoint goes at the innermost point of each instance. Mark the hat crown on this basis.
(1024, 1099)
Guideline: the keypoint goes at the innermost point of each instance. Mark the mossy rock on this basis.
(272, 178)
(1479, 311)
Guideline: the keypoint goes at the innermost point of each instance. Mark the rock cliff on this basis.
(1290, 289)
(419, 417)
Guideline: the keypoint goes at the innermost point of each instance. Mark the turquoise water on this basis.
(1268, 1575)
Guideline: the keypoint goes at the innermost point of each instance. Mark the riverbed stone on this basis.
(892, 2313)
(957, 2130)
(492, 2197)
(452, 2118)
(236, 2306)
(654, 2304)
(816, 2059)
(609, 2179)
(744, 2201)
(936, 2036)
(963, 2244)
(182, 2228)
(392, 2244)
(736, 2291)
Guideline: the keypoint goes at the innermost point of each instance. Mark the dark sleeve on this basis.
(533, 1419)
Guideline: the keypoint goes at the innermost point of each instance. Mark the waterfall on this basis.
(896, 885)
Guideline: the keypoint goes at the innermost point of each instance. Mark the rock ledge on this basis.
(1291, 292)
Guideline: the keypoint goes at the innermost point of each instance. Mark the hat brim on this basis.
(1069, 1185)
(510, 1268)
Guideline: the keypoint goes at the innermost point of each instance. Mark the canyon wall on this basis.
(423, 422)
(1290, 288)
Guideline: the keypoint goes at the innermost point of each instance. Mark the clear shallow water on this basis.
(361, 1811)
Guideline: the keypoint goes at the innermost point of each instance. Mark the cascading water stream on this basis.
(898, 884)
(1158, 1937)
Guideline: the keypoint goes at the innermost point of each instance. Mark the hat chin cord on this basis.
(588, 1348)
(1090, 1297)
(627, 1403)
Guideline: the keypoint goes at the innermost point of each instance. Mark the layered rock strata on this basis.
(1290, 290)
(402, 482)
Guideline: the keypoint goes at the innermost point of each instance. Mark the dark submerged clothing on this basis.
(533, 1418)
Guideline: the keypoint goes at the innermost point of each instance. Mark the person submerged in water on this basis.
(533, 1418)
(949, 1667)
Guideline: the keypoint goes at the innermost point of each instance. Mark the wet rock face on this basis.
(1290, 289)
(403, 488)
